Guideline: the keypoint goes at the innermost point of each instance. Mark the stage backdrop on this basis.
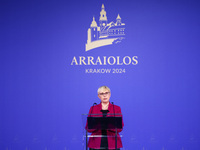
(55, 54)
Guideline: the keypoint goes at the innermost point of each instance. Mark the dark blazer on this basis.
(95, 142)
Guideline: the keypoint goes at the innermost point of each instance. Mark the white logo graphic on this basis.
(105, 33)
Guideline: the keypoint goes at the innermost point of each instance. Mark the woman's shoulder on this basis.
(115, 106)
(95, 106)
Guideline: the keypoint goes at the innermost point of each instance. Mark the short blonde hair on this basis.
(103, 87)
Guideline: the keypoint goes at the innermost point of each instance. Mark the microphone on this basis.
(93, 107)
(113, 108)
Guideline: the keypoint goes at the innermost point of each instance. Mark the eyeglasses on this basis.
(106, 93)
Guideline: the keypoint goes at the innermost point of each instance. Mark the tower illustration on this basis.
(106, 33)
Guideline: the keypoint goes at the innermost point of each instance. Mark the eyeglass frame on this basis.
(102, 94)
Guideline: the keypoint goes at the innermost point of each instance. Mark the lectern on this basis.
(112, 122)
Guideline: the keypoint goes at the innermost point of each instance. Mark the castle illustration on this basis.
(106, 33)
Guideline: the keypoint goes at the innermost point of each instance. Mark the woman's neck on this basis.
(105, 106)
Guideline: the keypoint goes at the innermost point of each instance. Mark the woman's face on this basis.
(104, 95)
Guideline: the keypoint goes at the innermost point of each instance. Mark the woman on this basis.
(107, 139)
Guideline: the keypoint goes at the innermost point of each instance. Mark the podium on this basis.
(99, 124)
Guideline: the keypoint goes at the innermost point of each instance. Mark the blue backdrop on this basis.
(43, 95)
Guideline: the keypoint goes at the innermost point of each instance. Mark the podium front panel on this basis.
(104, 123)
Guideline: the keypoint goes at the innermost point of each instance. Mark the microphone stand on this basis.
(115, 128)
